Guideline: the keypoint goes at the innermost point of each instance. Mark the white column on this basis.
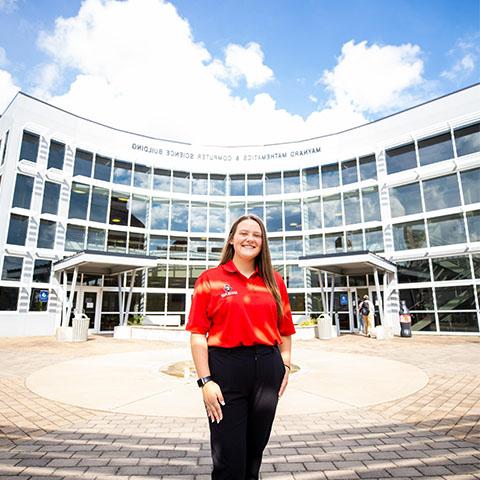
(120, 299)
(379, 297)
(70, 297)
(129, 298)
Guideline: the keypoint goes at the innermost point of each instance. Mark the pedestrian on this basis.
(241, 326)
(366, 310)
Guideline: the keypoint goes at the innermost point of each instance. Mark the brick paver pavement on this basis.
(431, 434)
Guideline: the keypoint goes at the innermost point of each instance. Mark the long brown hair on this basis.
(263, 261)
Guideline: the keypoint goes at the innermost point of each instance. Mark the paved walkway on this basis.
(342, 416)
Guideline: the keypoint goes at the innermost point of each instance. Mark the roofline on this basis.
(235, 146)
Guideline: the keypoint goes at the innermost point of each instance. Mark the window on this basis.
(177, 276)
(138, 211)
(215, 247)
(236, 210)
(368, 167)
(42, 271)
(51, 195)
(371, 204)
(195, 271)
(103, 168)
(99, 205)
(12, 268)
(197, 249)
(330, 176)
(442, 192)
(119, 208)
(351, 206)
(157, 278)
(451, 268)
(273, 213)
(218, 185)
(473, 219)
(141, 177)
(349, 172)
(17, 230)
(159, 213)
(276, 248)
(74, 238)
(22, 196)
(293, 247)
(374, 239)
(470, 183)
(409, 235)
(315, 244)
(334, 242)
(400, 158)
(198, 217)
(29, 148)
(136, 243)
(446, 230)
(435, 149)
(294, 277)
(46, 234)
(178, 248)
(161, 180)
(199, 184)
(110, 302)
(158, 246)
(297, 302)
(217, 213)
(122, 172)
(83, 163)
(179, 217)
(314, 212)
(467, 139)
(78, 201)
(255, 184)
(417, 298)
(237, 185)
(56, 154)
(458, 322)
(176, 302)
(293, 215)
(332, 211)
(8, 298)
(354, 241)
(413, 271)
(155, 302)
(311, 179)
(405, 200)
(96, 239)
(459, 297)
(117, 241)
(273, 183)
(37, 304)
(181, 182)
(291, 182)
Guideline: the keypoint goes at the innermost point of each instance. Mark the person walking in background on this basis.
(241, 326)
(367, 310)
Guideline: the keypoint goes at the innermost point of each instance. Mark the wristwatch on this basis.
(202, 381)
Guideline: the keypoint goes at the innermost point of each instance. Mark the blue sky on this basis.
(237, 71)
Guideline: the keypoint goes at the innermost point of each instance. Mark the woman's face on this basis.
(247, 240)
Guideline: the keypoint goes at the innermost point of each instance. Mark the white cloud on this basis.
(47, 77)
(375, 78)
(3, 57)
(466, 54)
(8, 6)
(8, 89)
(313, 98)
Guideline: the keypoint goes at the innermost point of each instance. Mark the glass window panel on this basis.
(458, 322)
(473, 219)
(12, 268)
(96, 239)
(197, 249)
(103, 168)
(122, 172)
(215, 247)
(236, 210)
(314, 244)
(138, 212)
(160, 213)
(276, 248)
(330, 176)
(354, 241)
(194, 272)
(409, 235)
(334, 242)
(29, 148)
(332, 211)
(237, 185)
(446, 230)
(293, 247)
(255, 184)
(294, 277)
(178, 248)
(36, 305)
(273, 212)
(161, 180)
(92, 280)
(136, 243)
(158, 246)
(314, 212)
(291, 182)
(368, 167)
(119, 203)
(442, 192)
(198, 217)
(78, 201)
(17, 230)
(74, 238)
(293, 215)
(83, 163)
(423, 322)
(110, 302)
(199, 184)
(51, 195)
(470, 183)
(99, 205)
(374, 239)
(435, 149)
(476, 265)
(177, 276)
(351, 207)
(400, 158)
(405, 200)
(56, 155)
(371, 204)
(117, 241)
(297, 302)
(155, 302)
(467, 139)
(217, 222)
(141, 176)
(317, 304)
(157, 277)
(41, 271)
(459, 297)
(108, 322)
(311, 178)
(8, 298)
(22, 195)
(46, 234)
(349, 172)
(181, 182)
(218, 184)
(175, 302)
(451, 268)
(413, 271)
(273, 183)
(179, 218)
(417, 298)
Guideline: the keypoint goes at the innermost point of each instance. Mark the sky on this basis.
(237, 72)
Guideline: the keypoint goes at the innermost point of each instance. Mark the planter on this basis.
(305, 333)
(123, 332)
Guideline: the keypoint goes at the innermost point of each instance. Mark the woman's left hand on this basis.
(284, 384)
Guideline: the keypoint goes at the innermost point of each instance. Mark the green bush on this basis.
(136, 320)
(308, 323)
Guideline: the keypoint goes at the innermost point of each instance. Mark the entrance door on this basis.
(342, 308)
(357, 294)
(89, 307)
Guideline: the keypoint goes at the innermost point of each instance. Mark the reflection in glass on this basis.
(46, 234)
(36, 305)
(255, 208)
(405, 200)
(141, 176)
(371, 204)
(470, 183)
(291, 182)
(446, 230)
(117, 241)
(217, 213)
(442, 192)
(273, 213)
(99, 205)
(467, 139)
(103, 168)
(293, 247)
(368, 168)
(175, 302)
(423, 322)
(374, 239)
(181, 182)
(156, 302)
(136, 243)
(417, 298)
(351, 205)
(276, 248)
(459, 297)
(435, 149)
(413, 271)
(198, 217)
(451, 268)
(458, 322)
(12, 268)
(334, 242)
(400, 158)
(179, 219)
(51, 195)
(235, 211)
(178, 248)
(294, 277)
(255, 184)
(215, 247)
(96, 239)
(330, 176)
(293, 215)
(273, 183)
(119, 208)
(159, 213)
(314, 213)
(158, 246)
(237, 185)
(314, 244)
(17, 229)
(297, 302)
(22, 196)
(349, 172)
(74, 238)
(409, 235)
(476, 266)
(332, 211)
(311, 178)
(122, 172)
(473, 219)
(161, 180)
(177, 276)
(83, 163)
(56, 154)
(42, 270)
(197, 249)
(354, 241)
(29, 148)
(218, 185)
(199, 184)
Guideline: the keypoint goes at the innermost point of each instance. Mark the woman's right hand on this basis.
(213, 400)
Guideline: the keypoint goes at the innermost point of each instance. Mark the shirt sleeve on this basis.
(285, 325)
(198, 321)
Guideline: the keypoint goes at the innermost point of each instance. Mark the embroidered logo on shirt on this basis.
(228, 291)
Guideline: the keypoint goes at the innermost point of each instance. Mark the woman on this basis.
(240, 323)
(366, 310)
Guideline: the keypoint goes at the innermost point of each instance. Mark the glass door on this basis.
(357, 298)
(89, 306)
(342, 309)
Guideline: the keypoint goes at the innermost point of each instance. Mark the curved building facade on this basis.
(406, 187)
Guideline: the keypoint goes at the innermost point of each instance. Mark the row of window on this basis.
(13, 266)
(9, 299)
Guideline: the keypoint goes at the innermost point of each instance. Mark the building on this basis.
(406, 187)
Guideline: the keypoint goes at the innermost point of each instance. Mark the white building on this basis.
(406, 187)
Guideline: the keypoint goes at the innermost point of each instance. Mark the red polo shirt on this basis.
(235, 310)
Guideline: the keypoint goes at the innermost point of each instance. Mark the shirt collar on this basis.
(231, 268)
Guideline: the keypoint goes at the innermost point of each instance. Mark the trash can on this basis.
(324, 326)
(80, 324)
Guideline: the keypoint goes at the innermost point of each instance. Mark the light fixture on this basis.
(115, 220)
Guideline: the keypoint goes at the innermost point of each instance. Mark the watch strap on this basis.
(202, 381)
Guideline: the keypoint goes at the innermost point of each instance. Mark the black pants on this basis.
(250, 378)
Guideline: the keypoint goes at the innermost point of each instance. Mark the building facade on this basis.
(406, 187)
